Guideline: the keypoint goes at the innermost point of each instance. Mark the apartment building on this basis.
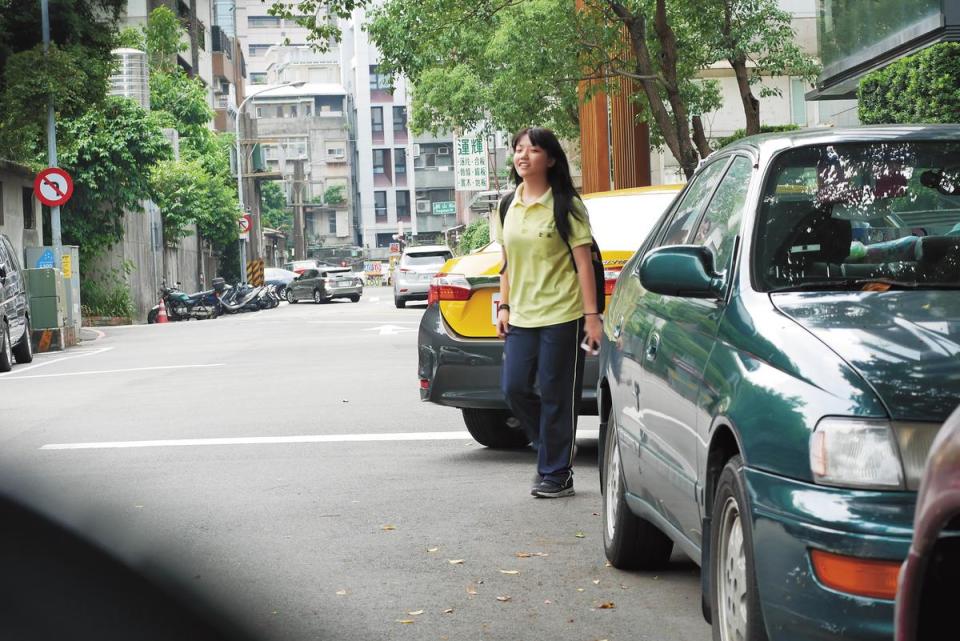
(307, 123)
(257, 31)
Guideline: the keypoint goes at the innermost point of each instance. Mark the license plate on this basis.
(494, 303)
(426, 277)
(343, 283)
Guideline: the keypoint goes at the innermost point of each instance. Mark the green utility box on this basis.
(47, 298)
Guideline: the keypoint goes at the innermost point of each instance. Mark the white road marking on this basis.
(71, 355)
(268, 440)
(116, 371)
(359, 322)
(389, 330)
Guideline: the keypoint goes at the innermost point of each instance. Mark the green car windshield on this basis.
(863, 216)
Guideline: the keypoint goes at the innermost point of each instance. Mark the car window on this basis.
(685, 216)
(720, 224)
(309, 273)
(860, 216)
(424, 259)
(624, 222)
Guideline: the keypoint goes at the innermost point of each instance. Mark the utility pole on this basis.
(299, 244)
(55, 231)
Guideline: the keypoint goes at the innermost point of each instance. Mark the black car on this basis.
(324, 284)
(14, 310)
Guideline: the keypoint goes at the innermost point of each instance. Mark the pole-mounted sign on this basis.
(245, 222)
(53, 186)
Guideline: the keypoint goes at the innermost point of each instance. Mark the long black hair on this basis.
(558, 176)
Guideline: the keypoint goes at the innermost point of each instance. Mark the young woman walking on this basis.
(548, 307)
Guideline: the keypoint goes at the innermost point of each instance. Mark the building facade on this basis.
(257, 31)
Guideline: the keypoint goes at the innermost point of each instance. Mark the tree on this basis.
(106, 151)
(516, 62)
(273, 208)
(334, 195)
(75, 72)
(475, 236)
(164, 39)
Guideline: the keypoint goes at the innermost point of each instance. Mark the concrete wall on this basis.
(13, 179)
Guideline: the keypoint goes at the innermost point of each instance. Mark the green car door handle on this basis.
(653, 346)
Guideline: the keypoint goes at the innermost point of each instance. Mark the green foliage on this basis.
(187, 193)
(164, 39)
(106, 151)
(107, 293)
(184, 98)
(75, 72)
(273, 208)
(319, 16)
(475, 236)
(720, 143)
(922, 88)
(132, 38)
(334, 195)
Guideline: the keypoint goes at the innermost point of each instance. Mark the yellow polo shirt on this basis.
(544, 289)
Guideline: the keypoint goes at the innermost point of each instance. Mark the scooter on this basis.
(182, 306)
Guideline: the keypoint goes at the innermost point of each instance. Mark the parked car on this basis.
(279, 278)
(323, 285)
(417, 267)
(776, 361)
(460, 354)
(929, 576)
(14, 310)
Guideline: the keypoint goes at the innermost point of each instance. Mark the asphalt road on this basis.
(376, 518)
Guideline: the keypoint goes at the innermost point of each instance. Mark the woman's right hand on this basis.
(503, 322)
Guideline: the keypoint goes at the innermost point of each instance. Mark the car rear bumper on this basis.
(416, 290)
(792, 517)
(463, 372)
(342, 292)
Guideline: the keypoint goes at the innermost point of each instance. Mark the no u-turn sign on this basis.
(53, 186)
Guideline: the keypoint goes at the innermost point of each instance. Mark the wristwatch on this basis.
(503, 306)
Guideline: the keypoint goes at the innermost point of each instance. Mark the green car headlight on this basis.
(859, 453)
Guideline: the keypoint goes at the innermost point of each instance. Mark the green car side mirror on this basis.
(681, 270)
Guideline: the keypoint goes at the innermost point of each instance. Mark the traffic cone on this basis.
(162, 313)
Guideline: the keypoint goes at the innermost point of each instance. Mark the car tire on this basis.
(491, 429)
(399, 302)
(281, 292)
(317, 297)
(734, 597)
(290, 297)
(629, 541)
(23, 351)
(355, 298)
(6, 354)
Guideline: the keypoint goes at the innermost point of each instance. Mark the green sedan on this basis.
(777, 360)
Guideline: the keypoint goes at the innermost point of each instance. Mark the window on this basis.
(380, 206)
(798, 104)
(721, 223)
(258, 78)
(334, 153)
(400, 161)
(400, 120)
(258, 50)
(293, 111)
(384, 240)
(376, 119)
(379, 80)
(333, 224)
(29, 221)
(696, 195)
(262, 22)
(1, 203)
(403, 205)
(379, 160)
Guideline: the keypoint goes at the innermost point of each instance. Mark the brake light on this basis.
(610, 275)
(404, 270)
(449, 287)
(424, 383)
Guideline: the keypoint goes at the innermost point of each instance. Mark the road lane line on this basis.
(77, 354)
(116, 371)
(362, 322)
(272, 440)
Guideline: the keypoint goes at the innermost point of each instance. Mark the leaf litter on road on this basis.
(432, 549)
(504, 598)
(455, 561)
(527, 555)
(388, 528)
(415, 613)
(512, 572)
(609, 605)
(341, 593)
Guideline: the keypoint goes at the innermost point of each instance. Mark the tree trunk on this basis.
(673, 126)
(751, 106)
(700, 137)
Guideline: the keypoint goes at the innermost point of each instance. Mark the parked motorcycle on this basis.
(182, 306)
(241, 297)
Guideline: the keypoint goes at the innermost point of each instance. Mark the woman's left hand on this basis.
(593, 331)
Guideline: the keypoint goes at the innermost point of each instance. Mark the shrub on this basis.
(922, 88)
(107, 294)
(720, 143)
(475, 236)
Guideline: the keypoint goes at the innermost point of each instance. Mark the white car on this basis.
(417, 267)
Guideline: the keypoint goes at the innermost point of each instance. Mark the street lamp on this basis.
(243, 103)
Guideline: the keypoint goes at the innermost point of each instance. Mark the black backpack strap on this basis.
(505, 203)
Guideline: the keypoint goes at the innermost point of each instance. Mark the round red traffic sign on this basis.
(245, 222)
(53, 186)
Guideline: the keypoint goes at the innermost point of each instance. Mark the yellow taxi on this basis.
(460, 355)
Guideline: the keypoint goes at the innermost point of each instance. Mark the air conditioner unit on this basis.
(423, 206)
(443, 151)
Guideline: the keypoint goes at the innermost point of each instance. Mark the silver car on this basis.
(417, 267)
